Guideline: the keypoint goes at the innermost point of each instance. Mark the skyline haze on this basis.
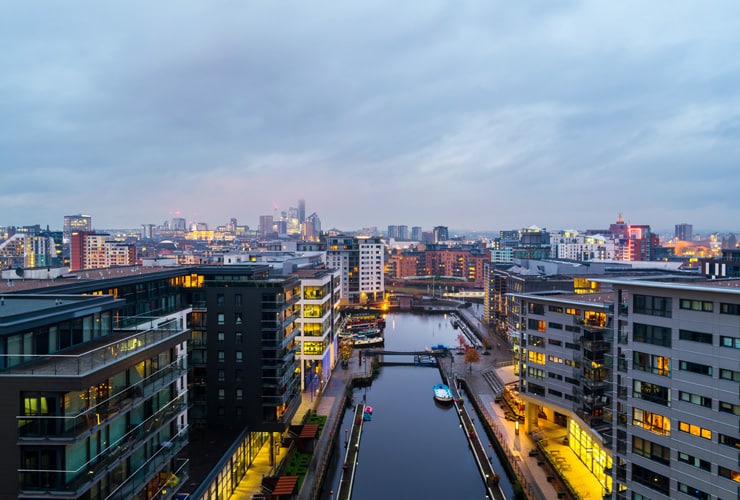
(481, 115)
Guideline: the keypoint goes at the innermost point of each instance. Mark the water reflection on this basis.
(413, 447)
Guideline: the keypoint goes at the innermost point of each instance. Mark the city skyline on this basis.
(477, 117)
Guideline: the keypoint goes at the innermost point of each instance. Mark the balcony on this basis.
(71, 427)
(95, 355)
(56, 483)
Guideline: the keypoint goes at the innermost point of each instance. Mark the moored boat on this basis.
(363, 341)
(443, 393)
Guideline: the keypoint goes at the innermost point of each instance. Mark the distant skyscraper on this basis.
(441, 234)
(266, 225)
(403, 233)
(393, 232)
(178, 224)
(416, 233)
(684, 232)
(301, 210)
(76, 223)
(147, 231)
(311, 228)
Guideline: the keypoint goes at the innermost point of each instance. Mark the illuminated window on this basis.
(653, 422)
(695, 430)
(536, 357)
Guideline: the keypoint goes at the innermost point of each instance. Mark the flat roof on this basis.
(730, 286)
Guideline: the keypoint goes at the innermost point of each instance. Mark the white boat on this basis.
(443, 393)
(363, 341)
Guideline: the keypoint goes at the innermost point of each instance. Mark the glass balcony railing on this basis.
(69, 427)
(93, 358)
(64, 482)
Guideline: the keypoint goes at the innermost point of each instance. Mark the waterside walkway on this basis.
(542, 476)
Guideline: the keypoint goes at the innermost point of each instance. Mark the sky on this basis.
(478, 115)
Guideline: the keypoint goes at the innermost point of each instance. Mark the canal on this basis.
(413, 447)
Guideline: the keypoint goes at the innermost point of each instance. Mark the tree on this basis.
(471, 356)
(461, 340)
(345, 350)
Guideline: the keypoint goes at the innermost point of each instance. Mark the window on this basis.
(653, 422)
(220, 299)
(536, 389)
(694, 461)
(695, 399)
(573, 311)
(726, 407)
(729, 441)
(557, 309)
(221, 375)
(650, 450)
(688, 366)
(733, 342)
(238, 300)
(704, 338)
(534, 324)
(693, 492)
(221, 318)
(221, 356)
(536, 357)
(237, 375)
(659, 365)
(555, 393)
(651, 392)
(695, 430)
(239, 356)
(729, 309)
(533, 308)
(238, 318)
(536, 341)
(726, 374)
(556, 376)
(654, 306)
(220, 336)
(554, 326)
(696, 305)
(537, 373)
(554, 342)
(555, 359)
(221, 394)
(651, 479)
(728, 473)
(651, 334)
(238, 337)
(239, 394)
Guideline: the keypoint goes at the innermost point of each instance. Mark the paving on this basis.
(485, 379)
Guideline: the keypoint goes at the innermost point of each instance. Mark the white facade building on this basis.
(361, 261)
(646, 378)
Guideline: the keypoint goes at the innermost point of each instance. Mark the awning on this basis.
(285, 485)
(309, 431)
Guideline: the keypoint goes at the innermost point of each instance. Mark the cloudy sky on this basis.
(470, 114)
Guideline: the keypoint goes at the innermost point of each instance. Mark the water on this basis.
(413, 447)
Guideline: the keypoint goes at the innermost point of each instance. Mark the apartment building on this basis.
(645, 377)
(90, 250)
(94, 402)
(360, 260)
(318, 324)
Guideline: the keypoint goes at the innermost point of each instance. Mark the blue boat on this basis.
(443, 393)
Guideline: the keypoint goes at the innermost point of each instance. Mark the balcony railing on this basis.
(69, 427)
(90, 360)
(60, 482)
